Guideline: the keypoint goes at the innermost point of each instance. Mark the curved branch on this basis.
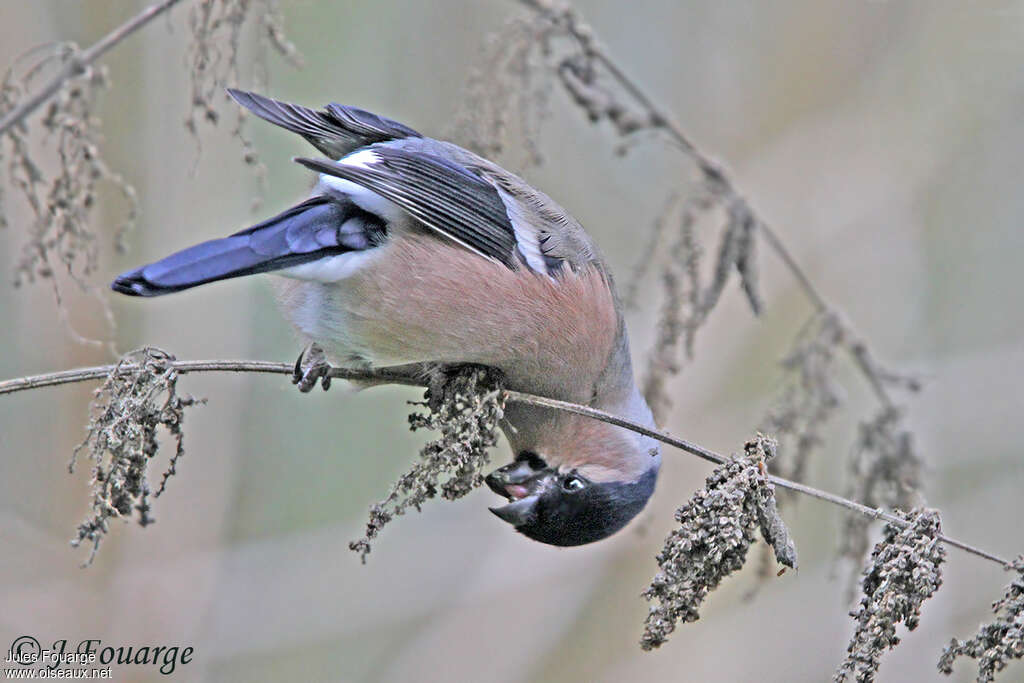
(714, 175)
(184, 367)
(386, 376)
(77, 62)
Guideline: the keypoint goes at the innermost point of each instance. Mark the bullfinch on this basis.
(412, 250)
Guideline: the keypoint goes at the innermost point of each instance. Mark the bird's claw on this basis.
(311, 367)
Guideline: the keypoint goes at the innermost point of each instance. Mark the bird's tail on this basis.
(303, 233)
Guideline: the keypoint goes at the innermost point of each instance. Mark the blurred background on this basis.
(882, 140)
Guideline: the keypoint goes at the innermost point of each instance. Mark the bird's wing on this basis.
(469, 200)
(447, 188)
(442, 195)
(336, 130)
(546, 234)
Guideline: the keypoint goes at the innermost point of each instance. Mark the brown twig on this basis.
(184, 367)
(714, 176)
(78, 61)
(385, 376)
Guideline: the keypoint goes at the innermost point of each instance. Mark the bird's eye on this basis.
(573, 483)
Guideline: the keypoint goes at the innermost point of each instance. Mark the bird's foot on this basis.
(311, 367)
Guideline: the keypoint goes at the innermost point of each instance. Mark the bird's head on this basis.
(563, 507)
(581, 489)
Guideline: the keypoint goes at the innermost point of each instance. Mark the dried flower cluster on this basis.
(885, 473)
(60, 234)
(810, 396)
(681, 312)
(997, 643)
(905, 570)
(215, 50)
(465, 405)
(138, 396)
(581, 77)
(572, 51)
(214, 54)
(687, 296)
(509, 91)
(716, 528)
(597, 86)
(508, 95)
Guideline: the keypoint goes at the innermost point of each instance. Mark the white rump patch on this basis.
(364, 198)
(360, 159)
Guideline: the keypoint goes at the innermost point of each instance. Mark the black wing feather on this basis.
(336, 131)
(444, 196)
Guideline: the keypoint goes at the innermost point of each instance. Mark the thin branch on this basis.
(78, 61)
(385, 376)
(714, 175)
(801, 277)
(718, 458)
(717, 177)
(184, 367)
(712, 171)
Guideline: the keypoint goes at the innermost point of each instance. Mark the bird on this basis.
(412, 251)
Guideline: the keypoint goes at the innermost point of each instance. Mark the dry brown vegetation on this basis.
(547, 50)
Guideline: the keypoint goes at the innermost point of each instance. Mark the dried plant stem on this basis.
(78, 61)
(183, 367)
(715, 177)
(718, 179)
(718, 458)
(712, 171)
(780, 249)
(386, 376)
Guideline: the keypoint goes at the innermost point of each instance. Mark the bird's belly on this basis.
(422, 299)
(318, 312)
